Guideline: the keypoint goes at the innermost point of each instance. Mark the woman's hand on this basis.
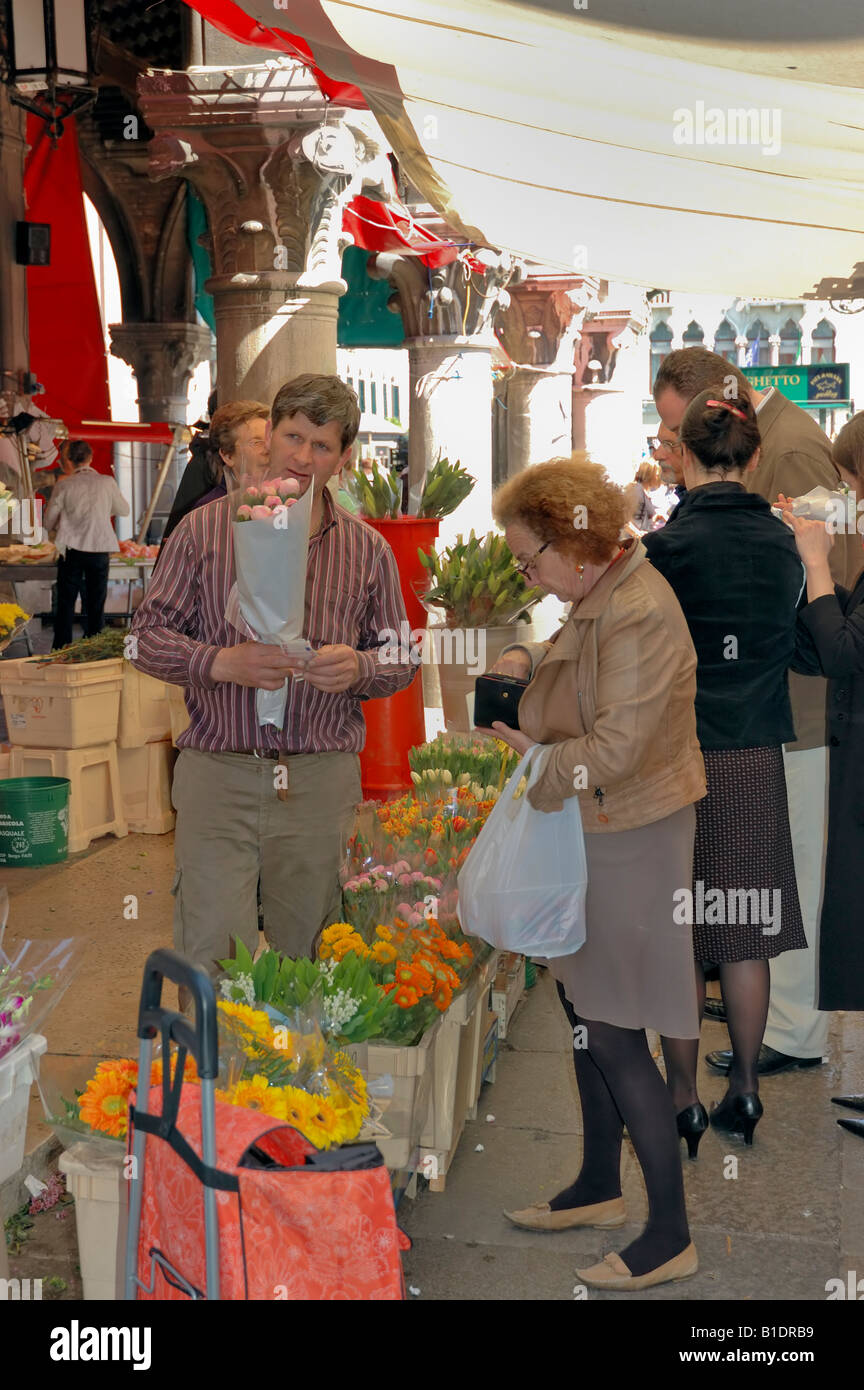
(516, 664)
(513, 737)
(813, 539)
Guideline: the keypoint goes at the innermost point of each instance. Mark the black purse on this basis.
(496, 700)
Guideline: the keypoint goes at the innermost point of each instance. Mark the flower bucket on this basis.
(34, 820)
(457, 677)
(95, 1176)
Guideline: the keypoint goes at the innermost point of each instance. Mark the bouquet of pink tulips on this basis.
(265, 500)
(267, 601)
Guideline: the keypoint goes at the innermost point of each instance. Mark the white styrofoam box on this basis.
(18, 1070)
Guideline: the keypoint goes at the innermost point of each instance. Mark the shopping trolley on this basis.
(282, 1219)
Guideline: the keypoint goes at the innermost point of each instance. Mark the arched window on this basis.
(758, 347)
(693, 335)
(724, 342)
(790, 344)
(822, 342)
(660, 339)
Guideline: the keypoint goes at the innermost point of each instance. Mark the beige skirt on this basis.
(636, 968)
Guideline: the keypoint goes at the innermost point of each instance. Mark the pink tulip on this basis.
(405, 878)
(404, 910)
(252, 492)
(288, 487)
(244, 513)
(273, 501)
(417, 875)
(260, 513)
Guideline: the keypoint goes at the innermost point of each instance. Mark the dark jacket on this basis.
(831, 643)
(202, 473)
(795, 457)
(736, 572)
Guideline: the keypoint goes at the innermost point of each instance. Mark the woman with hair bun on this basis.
(738, 578)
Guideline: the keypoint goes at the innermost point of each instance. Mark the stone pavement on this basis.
(791, 1219)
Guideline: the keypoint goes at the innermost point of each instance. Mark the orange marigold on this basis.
(406, 997)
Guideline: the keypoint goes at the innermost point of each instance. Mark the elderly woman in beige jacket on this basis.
(613, 695)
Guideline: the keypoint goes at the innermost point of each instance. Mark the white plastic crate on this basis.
(18, 1070)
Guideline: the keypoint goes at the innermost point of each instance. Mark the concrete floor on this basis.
(791, 1219)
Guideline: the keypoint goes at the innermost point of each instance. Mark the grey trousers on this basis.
(232, 827)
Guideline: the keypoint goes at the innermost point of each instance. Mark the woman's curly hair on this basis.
(571, 503)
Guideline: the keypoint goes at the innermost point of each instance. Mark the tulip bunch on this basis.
(266, 500)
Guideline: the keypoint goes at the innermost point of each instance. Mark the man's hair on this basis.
(78, 452)
(847, 450)
(321, 399)
(227, 420)
(688, 371)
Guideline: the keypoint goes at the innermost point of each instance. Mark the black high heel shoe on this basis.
(738, 1114)
(692, 1124)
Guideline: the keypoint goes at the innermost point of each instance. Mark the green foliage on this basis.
(476, 582)
(285, 985)
(447, 485)
(376, 497)
(107, 645)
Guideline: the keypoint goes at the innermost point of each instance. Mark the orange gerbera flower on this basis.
(443, 998)
(190, 1071)
(404, 973)
(104, 1103)
(384, 933)
(449, 950)
(466, 951)
(434, 928)
(123, 1066)
(406, 997)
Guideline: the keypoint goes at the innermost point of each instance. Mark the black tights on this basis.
(620, 1085)
(745, 986)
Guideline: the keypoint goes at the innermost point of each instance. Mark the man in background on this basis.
(795, 457)
(81, 507)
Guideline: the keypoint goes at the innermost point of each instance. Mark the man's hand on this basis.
(255, 664)
(333, 668)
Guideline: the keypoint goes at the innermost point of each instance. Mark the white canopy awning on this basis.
(678, 145)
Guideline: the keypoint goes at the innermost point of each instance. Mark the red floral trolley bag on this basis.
(281, 1219)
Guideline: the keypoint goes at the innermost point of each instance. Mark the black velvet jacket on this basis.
(737, 575)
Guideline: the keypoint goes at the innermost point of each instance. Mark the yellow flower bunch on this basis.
(10, 616)
(340, 938)
(324, 1120)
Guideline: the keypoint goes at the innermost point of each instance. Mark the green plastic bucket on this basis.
(34, 820)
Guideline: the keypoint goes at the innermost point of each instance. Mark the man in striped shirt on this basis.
(232, 825)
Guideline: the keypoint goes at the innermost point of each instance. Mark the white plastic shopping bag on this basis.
(522, 887)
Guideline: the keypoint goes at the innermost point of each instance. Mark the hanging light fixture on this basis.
(48, 63)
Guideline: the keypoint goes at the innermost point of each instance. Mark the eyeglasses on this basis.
(529, 564)
(673, 445)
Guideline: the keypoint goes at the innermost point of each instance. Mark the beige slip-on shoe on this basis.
(539, 1217)
(612, 1273)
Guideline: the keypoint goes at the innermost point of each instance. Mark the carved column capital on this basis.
(274, 163)
(544, 319)
(163, 357)
(453, 301)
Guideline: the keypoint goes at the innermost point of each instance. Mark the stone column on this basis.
(538, 332)
(607, 413)
(14, 338)
(163, 357)
(448, 318)
(274, 164)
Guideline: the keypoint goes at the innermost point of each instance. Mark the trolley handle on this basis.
(202, 1039)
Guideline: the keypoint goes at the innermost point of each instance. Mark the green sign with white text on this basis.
(817, 386)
